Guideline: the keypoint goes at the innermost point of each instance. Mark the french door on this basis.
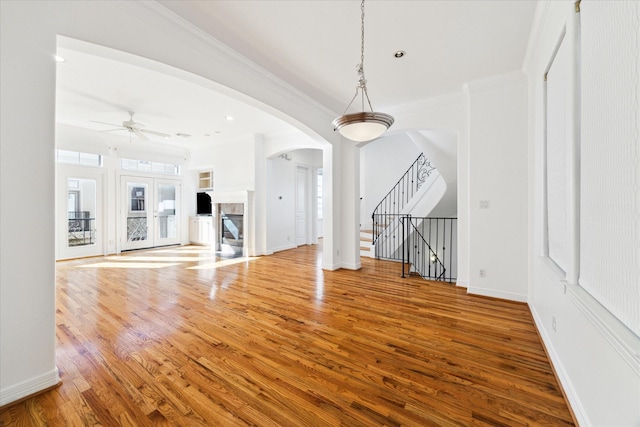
(80, 227)
(149, 212)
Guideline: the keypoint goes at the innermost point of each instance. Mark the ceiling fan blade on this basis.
(140, 135)
(105, 123)
(112, 130)
(152, 132)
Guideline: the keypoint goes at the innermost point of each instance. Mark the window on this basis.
(78, 158)
(150, 167)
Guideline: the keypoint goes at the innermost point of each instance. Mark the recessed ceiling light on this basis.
(399, 54)
(58, 58)
(183, 135)
(229, 118)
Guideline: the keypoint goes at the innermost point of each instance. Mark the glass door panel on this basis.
(136, 215)
(167, 196)
(81, 212)
(137, 224)
(150, 214)
(79, 215)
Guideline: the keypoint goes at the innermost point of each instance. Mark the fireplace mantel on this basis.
(246, 198)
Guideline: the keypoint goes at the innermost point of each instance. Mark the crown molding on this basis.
(539, 20)
(514, 78)
(156, 15)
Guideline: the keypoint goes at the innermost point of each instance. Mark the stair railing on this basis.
(429, 247)
(386, 215)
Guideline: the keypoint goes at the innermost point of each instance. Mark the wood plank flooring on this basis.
(175, 337)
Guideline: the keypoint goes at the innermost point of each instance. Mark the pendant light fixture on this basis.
(366, 125)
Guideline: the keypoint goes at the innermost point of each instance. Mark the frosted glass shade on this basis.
(363, 126)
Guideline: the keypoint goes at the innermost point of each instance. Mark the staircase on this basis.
(402, 229)
(366, 243)
(386, 216)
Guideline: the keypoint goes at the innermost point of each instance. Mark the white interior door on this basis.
(149, 212)
(80, 227)
(301, 205)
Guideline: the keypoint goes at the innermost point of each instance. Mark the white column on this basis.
(341, 206)
(350, 205)
(330, 208)
(260, 198)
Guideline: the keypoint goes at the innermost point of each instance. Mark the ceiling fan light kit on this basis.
(365, 125)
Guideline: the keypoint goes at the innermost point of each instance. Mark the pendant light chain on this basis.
(363, 80)
(363, 126)
(362, 39)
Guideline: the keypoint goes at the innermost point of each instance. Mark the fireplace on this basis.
(233, 213)
(231, 227)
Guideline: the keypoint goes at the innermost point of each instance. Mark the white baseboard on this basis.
(462, 283)
(511, 296)
(351, 266)
(563, 376)
(281, 248)
(331, 267)
(29, 387)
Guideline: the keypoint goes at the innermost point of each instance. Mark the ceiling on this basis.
(313, 45)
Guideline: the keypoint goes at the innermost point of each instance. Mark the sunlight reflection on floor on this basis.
(203, 251)
(193, 258)
(217, 264)
(130, 265)
(158, 258)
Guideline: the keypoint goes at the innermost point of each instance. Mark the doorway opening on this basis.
(150, 217)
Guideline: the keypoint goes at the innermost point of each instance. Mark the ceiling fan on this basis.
(133, 127)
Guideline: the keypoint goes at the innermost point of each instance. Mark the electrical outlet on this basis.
(482, 272)
(484, 204)
(553, 323)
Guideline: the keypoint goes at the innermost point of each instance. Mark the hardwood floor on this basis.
(169, 337)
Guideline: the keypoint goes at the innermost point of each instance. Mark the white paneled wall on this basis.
(587, 312)
(610, 158)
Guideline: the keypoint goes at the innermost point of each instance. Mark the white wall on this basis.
(27, 294)
(441, 147)
(610, 220)
(383, 162)
(233, 164)
(596, 356)
(281, 204)
(498, 187)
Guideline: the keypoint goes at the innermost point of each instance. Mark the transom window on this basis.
(150, 167)
(78, 158)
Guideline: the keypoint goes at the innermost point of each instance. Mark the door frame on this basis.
(152, 182)
(63, 174)
(309, 212)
